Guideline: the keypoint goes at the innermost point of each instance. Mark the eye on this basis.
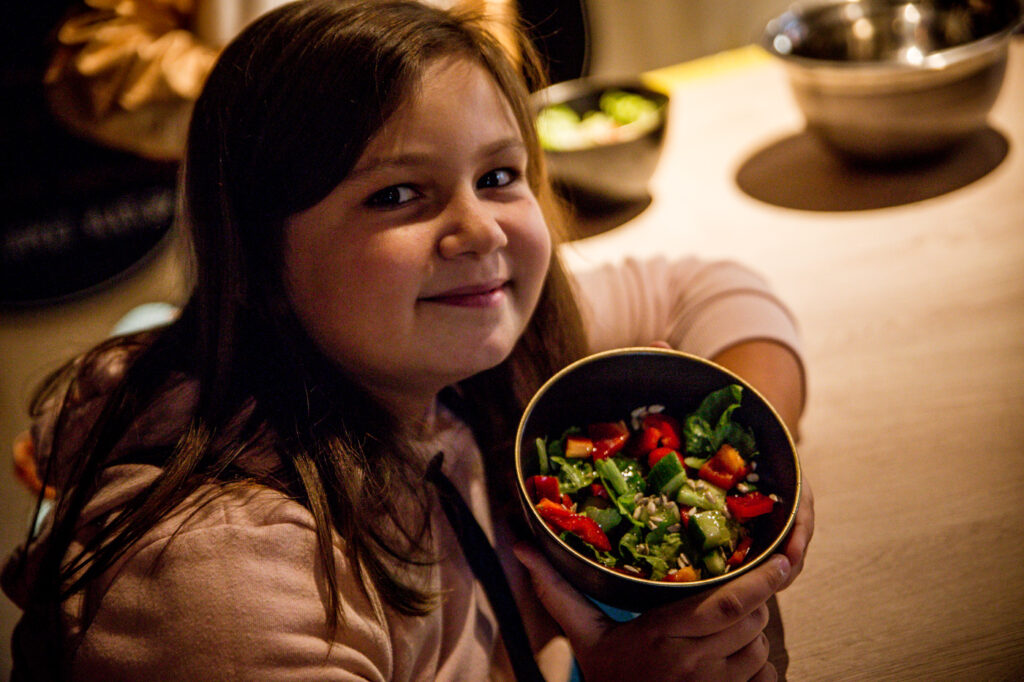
(389, 197)
(499, 177)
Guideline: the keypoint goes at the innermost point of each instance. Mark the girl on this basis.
(242, 494)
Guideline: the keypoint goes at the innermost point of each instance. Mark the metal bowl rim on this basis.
(553, 93)
(935, 61)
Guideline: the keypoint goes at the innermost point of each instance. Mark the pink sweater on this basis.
(236, 594)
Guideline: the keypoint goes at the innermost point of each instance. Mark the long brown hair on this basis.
(283, 118)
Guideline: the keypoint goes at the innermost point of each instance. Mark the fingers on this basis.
(716, 635)
(800, 537)
(737, 638)
(722, 607)
(582, 622)
(767, 673)
(751, 662)
(661, 344)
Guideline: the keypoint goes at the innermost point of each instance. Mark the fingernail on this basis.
(782, 565)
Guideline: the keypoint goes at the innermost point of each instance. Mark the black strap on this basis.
(487, 568)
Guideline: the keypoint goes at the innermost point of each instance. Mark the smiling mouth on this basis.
(473, 296)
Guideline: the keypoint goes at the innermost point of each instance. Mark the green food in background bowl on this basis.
(602, 137)
(620, 116)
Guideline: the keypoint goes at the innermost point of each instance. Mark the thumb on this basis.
(580, 620)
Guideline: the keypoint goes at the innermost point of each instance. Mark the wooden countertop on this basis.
(909, 288)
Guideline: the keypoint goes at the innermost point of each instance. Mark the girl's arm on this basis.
(700, 307)
(775, 371)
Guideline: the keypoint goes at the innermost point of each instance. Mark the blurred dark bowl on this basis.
(613, 173)
(884, 80)
(609, 386)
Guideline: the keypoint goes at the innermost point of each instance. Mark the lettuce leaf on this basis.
(711, 425)
(574, 474)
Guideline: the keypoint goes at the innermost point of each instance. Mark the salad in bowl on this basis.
(647, 474)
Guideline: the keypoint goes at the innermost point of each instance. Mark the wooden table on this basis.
(909, 288)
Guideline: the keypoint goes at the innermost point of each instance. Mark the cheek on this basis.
(534, 249)
(355, 285)
(338, 302)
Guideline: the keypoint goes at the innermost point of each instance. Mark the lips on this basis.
(481, 295)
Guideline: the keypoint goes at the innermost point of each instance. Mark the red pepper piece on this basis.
(657, 453)
(580, 525)
(603, 430)
(551, 511)
(543, 486)
(725, 468)
(746, 507)
(645, 441)
(667, 426)
(598, 490)
(739, 555)
(607, 447)
(608, 438)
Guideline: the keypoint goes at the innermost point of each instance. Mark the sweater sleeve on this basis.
(228, 599)
(699, 307)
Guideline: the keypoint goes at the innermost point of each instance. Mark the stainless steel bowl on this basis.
(608, 386)
(883, 80)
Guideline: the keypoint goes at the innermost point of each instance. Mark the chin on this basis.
(481, 357)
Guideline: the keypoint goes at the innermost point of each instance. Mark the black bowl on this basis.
(608, 387)
(612, 173)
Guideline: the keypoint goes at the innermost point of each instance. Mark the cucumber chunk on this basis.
(666, 476)
(711, 529)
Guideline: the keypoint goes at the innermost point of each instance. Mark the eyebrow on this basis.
(417, 159)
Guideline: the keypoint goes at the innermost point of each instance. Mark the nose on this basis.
(471, 227)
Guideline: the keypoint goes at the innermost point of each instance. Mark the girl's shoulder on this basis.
(235, 507)
(73, 400)
(230, 577)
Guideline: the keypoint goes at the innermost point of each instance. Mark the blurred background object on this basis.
(561, 32)
(75, 211)
(630, 37)
(98, 95)
(602, 138)
(890, 80)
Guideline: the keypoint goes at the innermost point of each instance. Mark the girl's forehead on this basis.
(457, 96)
(443, 75)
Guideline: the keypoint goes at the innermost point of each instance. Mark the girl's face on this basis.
(424, 265)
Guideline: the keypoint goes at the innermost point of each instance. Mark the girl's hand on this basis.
(716, 635)
(795, 548)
